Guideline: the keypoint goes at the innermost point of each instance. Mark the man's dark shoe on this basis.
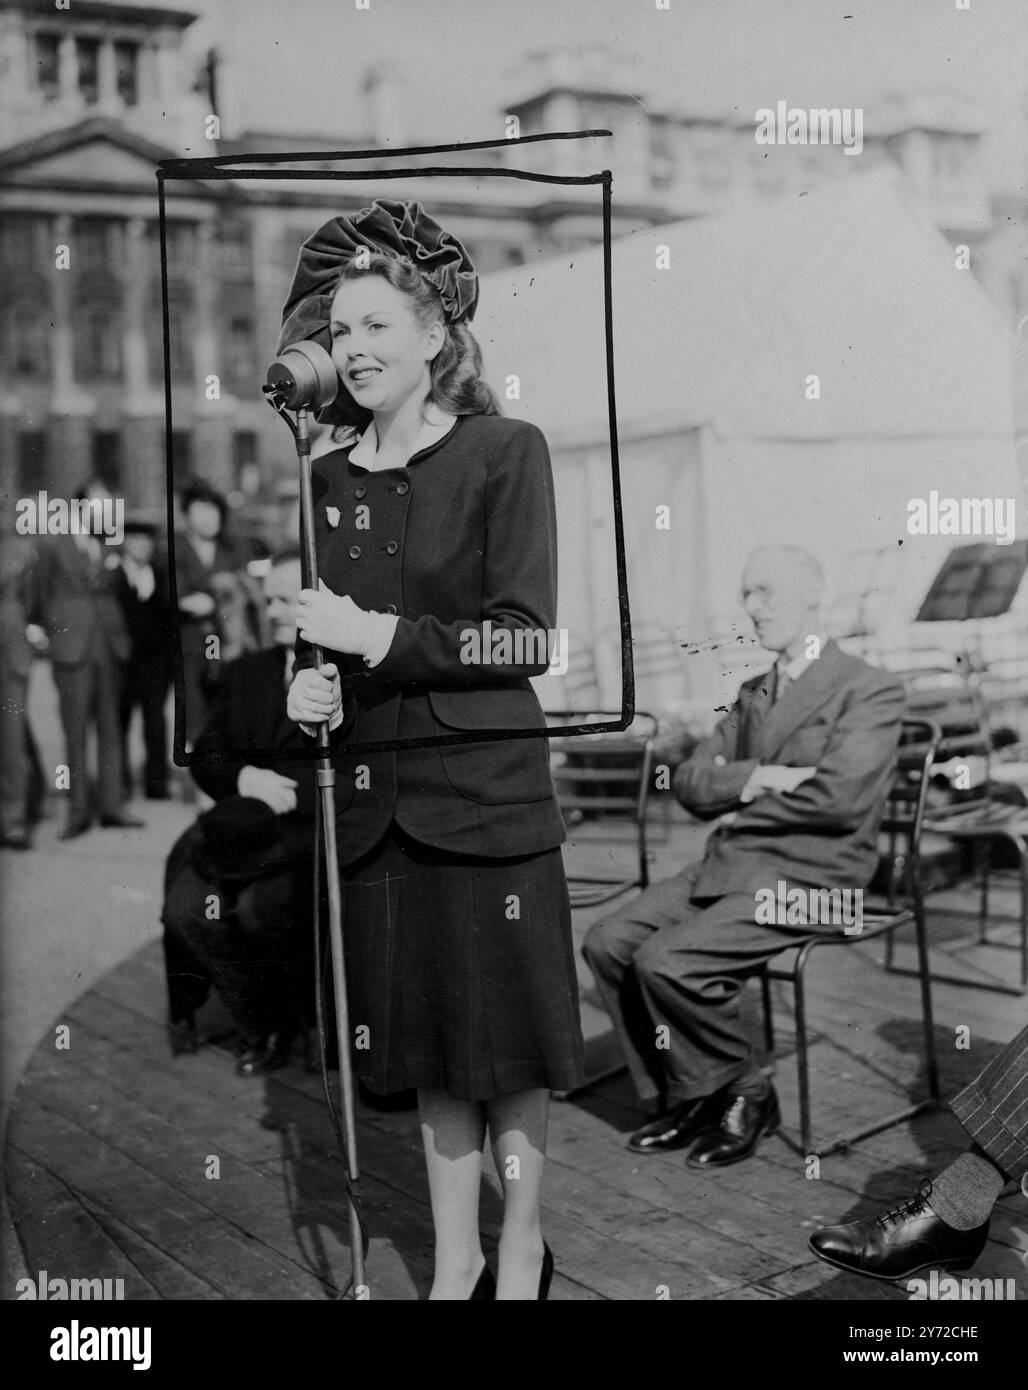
(270, 1054)
(74, 829)
(735, 1130)
(676, 1129)
(15, 839)
(121, 822)
(900, 1242)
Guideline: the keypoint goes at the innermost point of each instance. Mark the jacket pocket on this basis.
(490, 707)
(501, 771)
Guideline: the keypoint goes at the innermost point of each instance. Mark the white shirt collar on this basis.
(435, 423)
(795, 668)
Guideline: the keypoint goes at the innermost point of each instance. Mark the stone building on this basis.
(92, 97)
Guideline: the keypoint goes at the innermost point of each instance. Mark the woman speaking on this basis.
(436, 541)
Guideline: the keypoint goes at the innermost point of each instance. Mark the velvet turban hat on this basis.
(402, 230)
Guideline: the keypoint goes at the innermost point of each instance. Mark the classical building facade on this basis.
(92, 97)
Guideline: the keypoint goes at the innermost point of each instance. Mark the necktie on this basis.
(782, 682)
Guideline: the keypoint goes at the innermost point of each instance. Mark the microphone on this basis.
(302, 376)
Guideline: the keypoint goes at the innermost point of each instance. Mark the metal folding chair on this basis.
(606, 775)
(973, 814)
(902, 823)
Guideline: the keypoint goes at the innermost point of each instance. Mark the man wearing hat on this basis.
(237, 891)
(143, 594)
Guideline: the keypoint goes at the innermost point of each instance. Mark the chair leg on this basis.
(983, 854)
(769, 1017)
(802, 1060)
(1022, 846)
(927, 1019)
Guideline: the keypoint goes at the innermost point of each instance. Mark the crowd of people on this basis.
(100, 617)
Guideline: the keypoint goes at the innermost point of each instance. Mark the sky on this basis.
(297, 66)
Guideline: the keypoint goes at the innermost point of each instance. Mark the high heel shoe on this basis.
(546, 1273)
(485, 1287)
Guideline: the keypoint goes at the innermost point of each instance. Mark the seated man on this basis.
(796, 776)
(238, 884)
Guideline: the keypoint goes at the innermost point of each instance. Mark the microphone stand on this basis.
(326, 777)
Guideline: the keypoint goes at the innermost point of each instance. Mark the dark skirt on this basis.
(461, 969)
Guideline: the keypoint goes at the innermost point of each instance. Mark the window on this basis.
(97, 338)
(87, 51)
(27, 346)
(180, 325)
(126, 68)
(180, 239)
(31, 460)
(19, 239)
(48, 65)
(245, 469)
(107, 459)
(96, 244)
(242, 370)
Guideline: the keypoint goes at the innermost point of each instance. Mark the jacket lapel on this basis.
(801, 698)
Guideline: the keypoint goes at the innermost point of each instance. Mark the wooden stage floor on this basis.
(111, 1141)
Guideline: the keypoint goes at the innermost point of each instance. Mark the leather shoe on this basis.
(734, 1134)
(15, 839)
(674, 1130)
(74, 829)
(258, 1058)
(900, 1242)
(121, 823)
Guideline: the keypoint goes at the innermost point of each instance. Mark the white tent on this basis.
(719, 325)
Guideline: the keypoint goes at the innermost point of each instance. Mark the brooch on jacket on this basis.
(332, 513)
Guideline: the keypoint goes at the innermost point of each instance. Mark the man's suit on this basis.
(994, 1108)
(677, 954)
(257, 950)
(149, 673)
(15, 665)
(74, 597)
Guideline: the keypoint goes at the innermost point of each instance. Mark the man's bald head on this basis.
(782, 588)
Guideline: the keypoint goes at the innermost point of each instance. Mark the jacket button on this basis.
(402, 489)
(392, 548)
(359, 492)
(391, 608)
(355, 552)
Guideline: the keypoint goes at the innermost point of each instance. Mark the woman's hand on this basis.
(315, 696)
(333, 621)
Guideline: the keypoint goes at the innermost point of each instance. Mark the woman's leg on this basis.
(517, 1129)
(453, 1132)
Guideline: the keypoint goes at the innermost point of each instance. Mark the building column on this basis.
(69, 427)
(212, 419)
(143, 424)
(108, 100)
(68, 69)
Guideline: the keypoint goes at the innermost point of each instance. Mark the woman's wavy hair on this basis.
(457, 385)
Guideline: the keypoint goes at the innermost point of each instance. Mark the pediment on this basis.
(101, 158)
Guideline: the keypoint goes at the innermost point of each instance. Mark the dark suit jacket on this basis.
(841, 716)
(78, 607)
(148, 621)
(249, 712)
(463, 535)
(16, 553)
